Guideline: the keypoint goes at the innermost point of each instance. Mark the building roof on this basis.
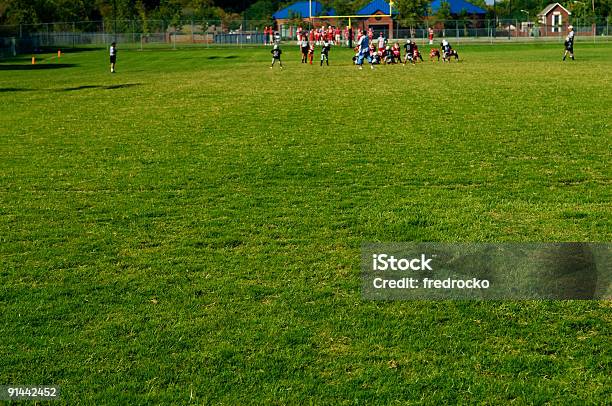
(374, 7)
(550, 7)
(457, 6)
(301, 9)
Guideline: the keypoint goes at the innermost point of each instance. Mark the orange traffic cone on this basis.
(33, 60)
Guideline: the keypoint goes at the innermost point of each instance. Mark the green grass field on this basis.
(188, 230)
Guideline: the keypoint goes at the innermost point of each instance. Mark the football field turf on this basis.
(188, 230)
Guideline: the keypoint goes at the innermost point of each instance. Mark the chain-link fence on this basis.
(508, 30)
(138, 34)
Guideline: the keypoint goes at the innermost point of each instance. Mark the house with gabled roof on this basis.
(554, 19)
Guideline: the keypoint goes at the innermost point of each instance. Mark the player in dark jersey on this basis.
(569, 43)
(113, 57)
(325, 51)
(409, 48)
(276, 56)
(448, 51)
(304, 48)
(387, 56)
(375, 55)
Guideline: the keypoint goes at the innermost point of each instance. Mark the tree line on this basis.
(43, 11)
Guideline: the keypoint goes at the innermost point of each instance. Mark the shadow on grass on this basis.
(37, 67)
(110, 87)
(70, 89)
(222, 57)
(14, 89)
(13, 59)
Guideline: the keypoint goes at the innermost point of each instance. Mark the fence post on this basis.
(163, 30)
(205, 27)
(457, 29)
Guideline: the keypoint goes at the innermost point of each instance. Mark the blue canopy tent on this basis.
(457, 6)
(382, 22)
(302, 9)
(374, 7)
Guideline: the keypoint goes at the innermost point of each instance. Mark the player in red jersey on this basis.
(415, 53)
(434, 53)
(397, 53)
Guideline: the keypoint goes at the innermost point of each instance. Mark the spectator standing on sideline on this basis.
(569, 43)
(113, 57)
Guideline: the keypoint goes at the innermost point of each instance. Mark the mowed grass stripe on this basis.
(189, 228)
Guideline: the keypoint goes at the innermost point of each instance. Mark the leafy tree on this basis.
(463, 17)
(411, 10)
(170, 11)
(230, 20)
(260, 12)
(203, 10)
(603, 8)
(4, 4)
(20, 12)
(346, 7)
(479, 3)
(582, 12)
(444, 12)
(144, 20)
(36, 11)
